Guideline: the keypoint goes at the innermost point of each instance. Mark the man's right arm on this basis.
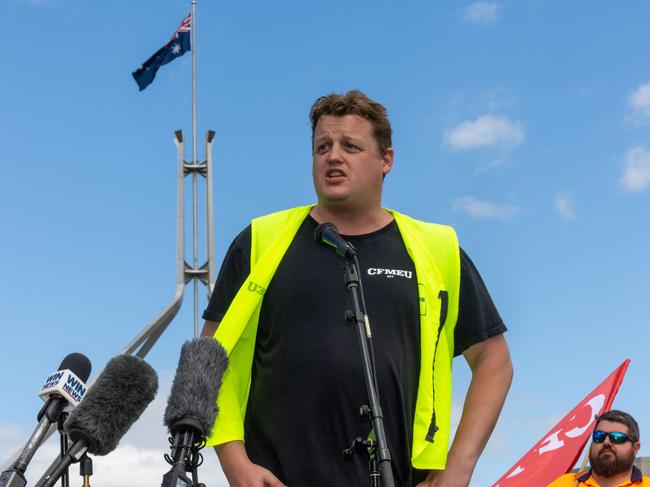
(240, 471)
(209, 328)
(236, 465)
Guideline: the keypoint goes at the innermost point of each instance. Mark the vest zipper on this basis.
(443, 296)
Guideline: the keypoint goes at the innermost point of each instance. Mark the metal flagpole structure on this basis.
(194, 161)
(185, 273)
(206, 273)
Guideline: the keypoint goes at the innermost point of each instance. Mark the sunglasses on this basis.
(615, 437)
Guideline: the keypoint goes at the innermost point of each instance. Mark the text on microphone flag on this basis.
(66, 383)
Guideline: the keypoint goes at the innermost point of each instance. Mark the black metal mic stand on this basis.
(379, 464)
(48, 415)
(63, 441)
(186, 444)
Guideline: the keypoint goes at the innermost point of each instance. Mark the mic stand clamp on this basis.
(186, 444)
(376, 445)
(74, 454)
(370, 446)
(86, 469)
(12, 478)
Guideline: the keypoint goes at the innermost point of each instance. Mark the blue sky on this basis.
(525, 125)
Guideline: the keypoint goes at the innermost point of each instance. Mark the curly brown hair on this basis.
(354, 102)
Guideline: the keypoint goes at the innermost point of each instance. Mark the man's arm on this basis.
(209, 328)
(240, 471)
(491, 369)
(236, 465)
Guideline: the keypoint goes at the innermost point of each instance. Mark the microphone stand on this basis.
(50, 413)
(379, 464)
(63, 441)
(186, 444)
(77, 452)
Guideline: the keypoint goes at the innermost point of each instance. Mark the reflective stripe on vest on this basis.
(434, 251)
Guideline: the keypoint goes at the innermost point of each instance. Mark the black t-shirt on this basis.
(307, 381)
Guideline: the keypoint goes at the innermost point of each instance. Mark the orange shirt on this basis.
(637, 479)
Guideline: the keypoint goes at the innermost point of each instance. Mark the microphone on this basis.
(65, 387)
(115, 401)
(327, 233)
(192, 405)
(69, 381)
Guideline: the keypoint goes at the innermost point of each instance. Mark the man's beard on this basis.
(607, 465)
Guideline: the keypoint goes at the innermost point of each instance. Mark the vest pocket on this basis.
(443, 296)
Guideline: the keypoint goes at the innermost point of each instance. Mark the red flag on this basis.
(560, 448)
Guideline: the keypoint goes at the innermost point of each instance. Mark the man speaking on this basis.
(289, 404)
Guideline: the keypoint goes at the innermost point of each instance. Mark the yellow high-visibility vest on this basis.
(435, 254)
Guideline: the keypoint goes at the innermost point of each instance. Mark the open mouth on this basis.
(334, 174)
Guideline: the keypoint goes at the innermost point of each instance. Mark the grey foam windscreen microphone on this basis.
(114, 402)
(193, 399)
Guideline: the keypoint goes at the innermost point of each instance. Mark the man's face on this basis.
(607, 459)
(348, 167)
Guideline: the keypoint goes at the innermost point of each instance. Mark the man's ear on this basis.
(387, 157)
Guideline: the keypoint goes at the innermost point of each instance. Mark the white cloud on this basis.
(497, 99)
(638, 105)
(484, 210)
(12, 437)
(10, 433)
(636, 170)
(126, 466)
(563, 204)
(485, 13)
(137, 462)
(486, 131)
(490, 165)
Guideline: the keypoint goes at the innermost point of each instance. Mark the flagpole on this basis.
(583, 465)
(194, 175)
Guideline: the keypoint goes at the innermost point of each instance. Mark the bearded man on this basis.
(615, 443)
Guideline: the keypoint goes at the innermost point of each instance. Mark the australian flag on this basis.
(178, 45)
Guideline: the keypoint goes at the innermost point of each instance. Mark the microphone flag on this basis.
(178, 45)
(559, 449)
(64, 383)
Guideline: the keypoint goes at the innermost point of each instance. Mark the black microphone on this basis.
(328, 234)
(192, 405)
(115, 401)
(64, 387)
